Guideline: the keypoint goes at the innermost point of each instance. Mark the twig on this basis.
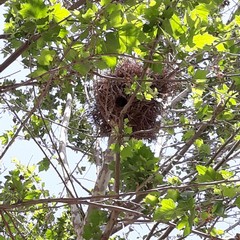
(77, 4)
(10, 217)
(28, 116)
(202, 234)
(225, 159)
(150, 234)
(219, 108)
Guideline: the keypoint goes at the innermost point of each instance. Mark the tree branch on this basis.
(18, 52)
(102, 180)
(76, 211)
(2, 1)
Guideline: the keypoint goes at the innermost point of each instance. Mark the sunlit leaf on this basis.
(59, 13)
(202, 40)
(35, 9)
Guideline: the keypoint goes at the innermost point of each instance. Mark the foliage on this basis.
(185, 184)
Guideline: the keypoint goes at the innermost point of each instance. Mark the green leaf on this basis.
(116, 18)
(33, 195)
(4, 139)
(89, 14)
(205, 149)
(228, 191)
(43, 165)
(166, 211)
(219, 208)
(35, 9)
(82, 68)
(46, 57)
(187, 135)
(173, 194)
(112, 42)
(202, 40)
(226, 174)
(151, 199)
(237, 202)
(126, 152)
(216, 232)
(177, 26)
(59, 13)
(207, 174)
(237, 19)
(201, 11)
(201, 169)
(105, 2)
(200, 74)
(184, 224)
(148, 96)
(110, 61)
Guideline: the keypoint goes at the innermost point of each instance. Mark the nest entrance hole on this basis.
(121, 101)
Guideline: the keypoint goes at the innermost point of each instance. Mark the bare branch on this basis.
(2, 1)
(76, 212)
(28, 116)
(4, 36)
(77, 4)
(18, 52)
(102, 179)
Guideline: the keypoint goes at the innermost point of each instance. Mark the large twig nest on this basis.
(111, 96)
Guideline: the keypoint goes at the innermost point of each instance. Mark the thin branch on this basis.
(84, 200)
(15, 226)
(36, 141)
(77, 4)
(6, 88)
(70, 201)
(236, 224)
(7, 225)
(219, 108)
(199, 233)
(166, 233)
(225, 159)
(222, 148)
(28, 116)
(150, 234)
(111, 222)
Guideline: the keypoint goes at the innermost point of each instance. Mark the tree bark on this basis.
(76, 211)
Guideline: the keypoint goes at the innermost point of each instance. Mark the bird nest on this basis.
(113, 92)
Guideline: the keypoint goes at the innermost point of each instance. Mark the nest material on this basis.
(111, 97)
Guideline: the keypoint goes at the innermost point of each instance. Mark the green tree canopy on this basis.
(111, 80)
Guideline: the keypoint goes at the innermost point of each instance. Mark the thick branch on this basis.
(18, 52)
(101, 181)
(2, 1)
(75, 210)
